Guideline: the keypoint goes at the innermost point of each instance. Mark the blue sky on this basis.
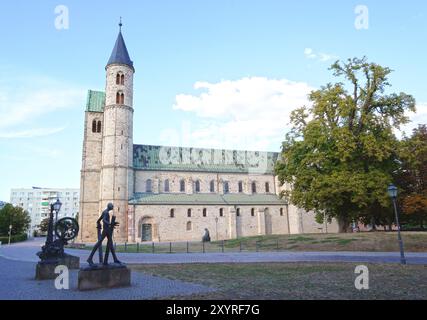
(221, 73)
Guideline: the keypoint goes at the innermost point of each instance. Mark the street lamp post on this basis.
(392, 192)
(53, 207)
(10, 232)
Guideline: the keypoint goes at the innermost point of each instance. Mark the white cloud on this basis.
(31, 133)
(24, 99)
(420, 117)
(249, 113)
(322, 57)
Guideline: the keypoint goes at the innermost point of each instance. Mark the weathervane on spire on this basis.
(120, 24)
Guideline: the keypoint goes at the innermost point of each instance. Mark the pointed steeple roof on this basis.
(120, 53)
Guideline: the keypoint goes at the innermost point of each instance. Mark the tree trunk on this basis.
(342, 225)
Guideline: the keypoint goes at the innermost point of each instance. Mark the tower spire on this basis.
(120, 53)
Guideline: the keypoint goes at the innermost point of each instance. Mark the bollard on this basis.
(277, 245)
(240, 246)
(256, 246)
(222, 246)
(170, 247)
(126, 246)
(152, 247)
(203, 245)
(137, 247)
(187, 247)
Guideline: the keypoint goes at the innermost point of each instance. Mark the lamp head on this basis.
(392, 191)
(57, 205)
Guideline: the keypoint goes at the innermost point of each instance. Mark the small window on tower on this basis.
(122, 79)
(94, 126)
(122, 98)
(117, 98)
(98, 127)
(118, 79)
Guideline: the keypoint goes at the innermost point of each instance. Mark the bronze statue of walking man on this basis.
(107, 232)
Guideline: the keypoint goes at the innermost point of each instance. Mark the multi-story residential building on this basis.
(37, 202)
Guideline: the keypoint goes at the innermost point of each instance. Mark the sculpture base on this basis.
(100, 276)
(45, 270)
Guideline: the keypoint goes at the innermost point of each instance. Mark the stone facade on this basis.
(171, 193)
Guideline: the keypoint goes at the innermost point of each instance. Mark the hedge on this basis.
(16, 238)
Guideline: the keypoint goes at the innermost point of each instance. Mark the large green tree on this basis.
(412, 177)
(341, 151)
(17, 217)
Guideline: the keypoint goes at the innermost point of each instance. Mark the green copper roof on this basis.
(95, 101)
(206, 199)
(146, 157)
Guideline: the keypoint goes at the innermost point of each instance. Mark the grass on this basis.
(367, 241)
(295, 280)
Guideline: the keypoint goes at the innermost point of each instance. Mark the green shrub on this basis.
(13, 239)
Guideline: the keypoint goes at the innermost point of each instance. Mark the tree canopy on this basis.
(17, 217)
(341, 152)
(412, 176)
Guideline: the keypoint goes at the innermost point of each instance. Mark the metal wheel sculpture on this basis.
(66, 229)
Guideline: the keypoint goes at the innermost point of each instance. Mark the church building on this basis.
(167, 193)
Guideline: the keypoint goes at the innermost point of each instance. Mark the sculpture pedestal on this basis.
(45, 270)
(100, 276)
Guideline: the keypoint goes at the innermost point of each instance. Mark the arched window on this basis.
(221, 212)
(94, 126)
(118, 78)
(189, 213)
(253, 212)
(240, 186)
(267, 187)
(122, 79)
(148, 186)
(197, 186)
(212, 186)
(281, 211)
(182, 185)
(205, 212)
(253, 187)
(98, 127)
(189, 226)
(166, 185)
(120, 98)
(238, 212)
(226, 187)
(172, 213)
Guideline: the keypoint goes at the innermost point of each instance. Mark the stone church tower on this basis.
(107, 174)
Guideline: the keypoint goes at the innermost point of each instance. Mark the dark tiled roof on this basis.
(162, 158)
(120, 53)
(206, 199)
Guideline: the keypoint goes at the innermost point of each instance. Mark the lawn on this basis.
(291, 281)
(367, 241)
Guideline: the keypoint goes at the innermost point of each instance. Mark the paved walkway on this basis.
(26, 251)
(17, 283)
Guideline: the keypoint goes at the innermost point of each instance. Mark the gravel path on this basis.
(17, 283)
(26, 251)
